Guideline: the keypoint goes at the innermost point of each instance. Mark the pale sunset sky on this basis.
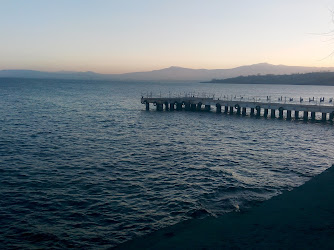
(121, 36)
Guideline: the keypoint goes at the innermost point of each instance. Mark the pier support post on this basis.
(193, 107)
(288, 114)
(258, 111)
(218, 108)
(199, 106)
(305, 116)
(207, 107)
(226, 109)
(166, 106)
(178, 106)
(280, 114)
(331, 116)
(265, 114)
(231, 110)
(147, 106)
(243, 111)
(324, 117)
(273, 113)
(238, 110)
(296, 114)
(172, 106)
(187, 106)
(252, 111)
(313, 116)
(159, 106)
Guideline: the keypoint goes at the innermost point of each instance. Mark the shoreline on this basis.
(302, 218)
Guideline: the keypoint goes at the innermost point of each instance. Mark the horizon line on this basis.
(180, 67)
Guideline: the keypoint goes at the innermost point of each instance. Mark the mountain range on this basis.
(170, 74)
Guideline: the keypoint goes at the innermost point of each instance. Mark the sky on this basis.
(109, 36)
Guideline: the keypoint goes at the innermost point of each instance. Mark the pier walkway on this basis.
(240, 107)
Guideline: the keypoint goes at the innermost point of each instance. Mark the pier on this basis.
(240, 107)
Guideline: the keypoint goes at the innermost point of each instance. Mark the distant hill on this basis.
(170, 74)
(315, 78)
(57, 75)
(185, 74)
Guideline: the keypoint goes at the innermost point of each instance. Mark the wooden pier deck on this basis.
(240, 107)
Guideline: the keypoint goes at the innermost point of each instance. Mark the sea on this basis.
(84, 165)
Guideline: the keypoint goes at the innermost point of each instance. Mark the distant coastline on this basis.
(171, 74)
(315, 78)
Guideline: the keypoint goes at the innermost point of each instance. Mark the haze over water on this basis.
(84, 165)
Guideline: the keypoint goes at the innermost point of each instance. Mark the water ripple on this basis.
(83, 166)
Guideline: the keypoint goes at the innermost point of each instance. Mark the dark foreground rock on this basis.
(300, 219)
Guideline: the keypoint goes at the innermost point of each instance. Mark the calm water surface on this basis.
(83, 165)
